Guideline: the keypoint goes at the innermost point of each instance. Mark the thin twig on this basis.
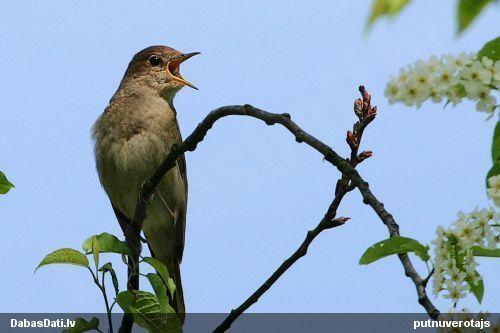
(426, 280)
(299, 253)
(108, 308)
(102, 288)
(326, 223)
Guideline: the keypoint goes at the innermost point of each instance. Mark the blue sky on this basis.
(254, 192)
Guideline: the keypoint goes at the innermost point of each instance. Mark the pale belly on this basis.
(124, 165)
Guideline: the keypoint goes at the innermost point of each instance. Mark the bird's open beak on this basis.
(173, 69)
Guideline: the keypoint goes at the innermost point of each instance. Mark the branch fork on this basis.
(349, 180)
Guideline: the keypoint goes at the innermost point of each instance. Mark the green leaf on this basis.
(159, 288)
(107, 243)
(467, 11)
(460, 258)
(65, 256)
(147, 311)
(5, 185)
(495, 147)
(389, 8)
(171, 287)
(495, 170)
(108, 268)
(95, 250)
(476, 289)
(82, 325)
(478, 251)
(490, 50)
(394, 245)
(160, 268)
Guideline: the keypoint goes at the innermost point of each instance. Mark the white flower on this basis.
(494, 189)
(434, 63)
(437, 283)
(486, 103)
(493, 67)
(459, 61)
(435, 94)
(419, 64)
(482, 216)
(456, 291)
(454, 263)
(403, 75)
(456, 275)
(393, 91)
(466, 233)
(494, 182)
(440, 234)
(491, 239)
(414, 93)
(487, 63)
(445, 79)
(454, 95)
(449, 61)
(495, 71)
(451, 78)
(495, 223)
(483, 213)
(476, 72)
(422, 77)
(475, 89)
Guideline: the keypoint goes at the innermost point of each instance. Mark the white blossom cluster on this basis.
(494, 189)
(454, 262)
(449, 78)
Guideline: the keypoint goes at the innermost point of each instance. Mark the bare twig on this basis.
(426, 280)
(324, 224)
(344, 166)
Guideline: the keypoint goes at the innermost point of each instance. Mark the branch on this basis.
(346, 167)
(324, 224)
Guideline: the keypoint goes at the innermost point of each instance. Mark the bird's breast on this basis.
(130, 142)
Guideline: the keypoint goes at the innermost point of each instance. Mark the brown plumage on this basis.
(132, 137)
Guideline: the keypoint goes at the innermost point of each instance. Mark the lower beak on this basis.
(172, 69)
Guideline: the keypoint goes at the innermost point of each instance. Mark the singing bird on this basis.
(132, 136)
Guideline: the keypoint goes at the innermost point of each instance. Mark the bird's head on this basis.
(157, 68)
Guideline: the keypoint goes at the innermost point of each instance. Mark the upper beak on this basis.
(173, 68)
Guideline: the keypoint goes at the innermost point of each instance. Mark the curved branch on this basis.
(344, 166)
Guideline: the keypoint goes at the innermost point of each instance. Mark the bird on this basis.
(132, 137)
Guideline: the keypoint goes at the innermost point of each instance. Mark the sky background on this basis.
(254, 192)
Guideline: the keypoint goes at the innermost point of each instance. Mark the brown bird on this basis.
(132, 137)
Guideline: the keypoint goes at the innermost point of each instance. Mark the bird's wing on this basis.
(124, 221)
(180, 226)
(126, 224)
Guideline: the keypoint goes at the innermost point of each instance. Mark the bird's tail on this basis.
(178, 299)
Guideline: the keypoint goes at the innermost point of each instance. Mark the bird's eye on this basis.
(155, 60)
